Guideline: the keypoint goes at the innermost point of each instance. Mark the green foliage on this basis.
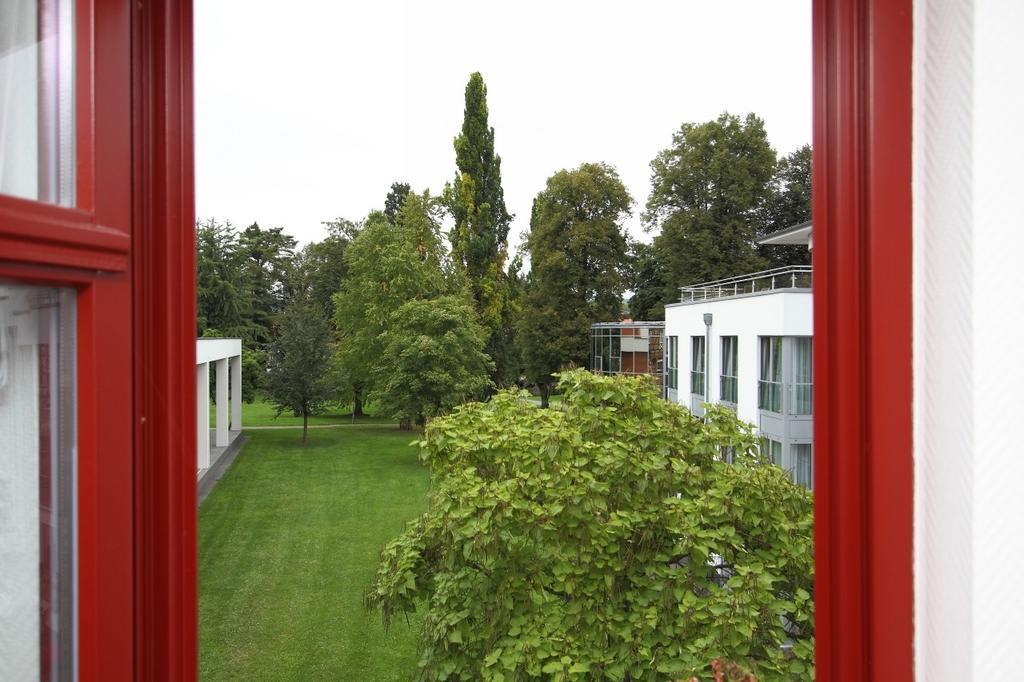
(323, 264)
(296, 379)
(579, 261)
(788, 204)
(264, 259)
(432, 359)
(254, 367)
(388, 265)
(395, 200)
(222, 299)
(240, 279)
(605, 540)
(479, 238)
(707, 190)
(647, 282)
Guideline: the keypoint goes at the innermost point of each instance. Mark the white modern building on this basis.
(221, 360)
(745, 342)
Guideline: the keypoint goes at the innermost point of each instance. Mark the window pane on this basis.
(37, 501)
(804, 471)
(37, 100)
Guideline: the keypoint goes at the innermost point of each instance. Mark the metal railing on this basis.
(789, 277)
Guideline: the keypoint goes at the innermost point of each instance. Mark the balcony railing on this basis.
(789, 277)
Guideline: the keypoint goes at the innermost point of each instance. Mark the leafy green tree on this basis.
(395, 200)
(707, 191)
(476, 200)
(265, 258)
(605, 540)
(298, 360)
(223, 301)
(388, 265)
(647, 282)
(322, 265)
(788, 204)
(433, 359)
(579, 267)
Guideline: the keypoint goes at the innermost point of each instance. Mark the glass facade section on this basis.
(37, 132)
(772, 449)
(729, 387)
(769, 385)
(37, 482)
(673, 362)
(803, 472)
(628, 348)
(801, 377)
(697, 356)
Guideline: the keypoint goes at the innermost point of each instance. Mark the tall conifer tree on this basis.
(480, 236)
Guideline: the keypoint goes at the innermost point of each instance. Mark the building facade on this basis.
(745, 342)
(629, 347)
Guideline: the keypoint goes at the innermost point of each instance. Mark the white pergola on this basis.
(226, 357)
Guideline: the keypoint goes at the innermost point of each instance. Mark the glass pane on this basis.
(37, 156)
(37, 500)
(803, 474)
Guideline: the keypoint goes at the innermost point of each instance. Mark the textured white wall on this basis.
(968, 238)
(780, 314)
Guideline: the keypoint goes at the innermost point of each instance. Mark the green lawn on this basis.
(261, 413)
(288, 541)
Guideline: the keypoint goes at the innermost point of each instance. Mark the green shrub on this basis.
(578, 543)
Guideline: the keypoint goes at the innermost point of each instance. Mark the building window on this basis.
(769, 387)
(697, 365)
(673, 362)
(728, 453)
(729, 388)
(37, 482)
(801, 395)
(803, 472)
(772, 449)
(37, 125)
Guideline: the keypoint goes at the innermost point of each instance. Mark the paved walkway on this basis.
(389, 425)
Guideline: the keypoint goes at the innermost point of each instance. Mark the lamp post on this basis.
(707, 357)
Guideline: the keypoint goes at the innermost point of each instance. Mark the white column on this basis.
(222, 403)
(236, 393)
(203, 415)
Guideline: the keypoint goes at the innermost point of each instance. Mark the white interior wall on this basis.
(969, 382)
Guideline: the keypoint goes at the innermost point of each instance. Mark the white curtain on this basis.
(19, 101)
(19, 486)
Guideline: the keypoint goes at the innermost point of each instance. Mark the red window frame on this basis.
(127, 248)
(862, 348)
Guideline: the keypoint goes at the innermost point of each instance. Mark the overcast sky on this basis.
(307, 111)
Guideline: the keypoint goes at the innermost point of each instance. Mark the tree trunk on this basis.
(305, 426)
(545, 393)
(357, 405)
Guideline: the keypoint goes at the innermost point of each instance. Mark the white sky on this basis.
(307, 110)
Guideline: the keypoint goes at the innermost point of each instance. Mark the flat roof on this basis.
(795, 234)
(628, 325)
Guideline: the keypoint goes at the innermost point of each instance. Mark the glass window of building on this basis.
(773, 450)
(801, 382)
(729, 386)
(697, 365)
(37, 153)
(673, 362)
(803, 472)
(37, 482)
(769, 386)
